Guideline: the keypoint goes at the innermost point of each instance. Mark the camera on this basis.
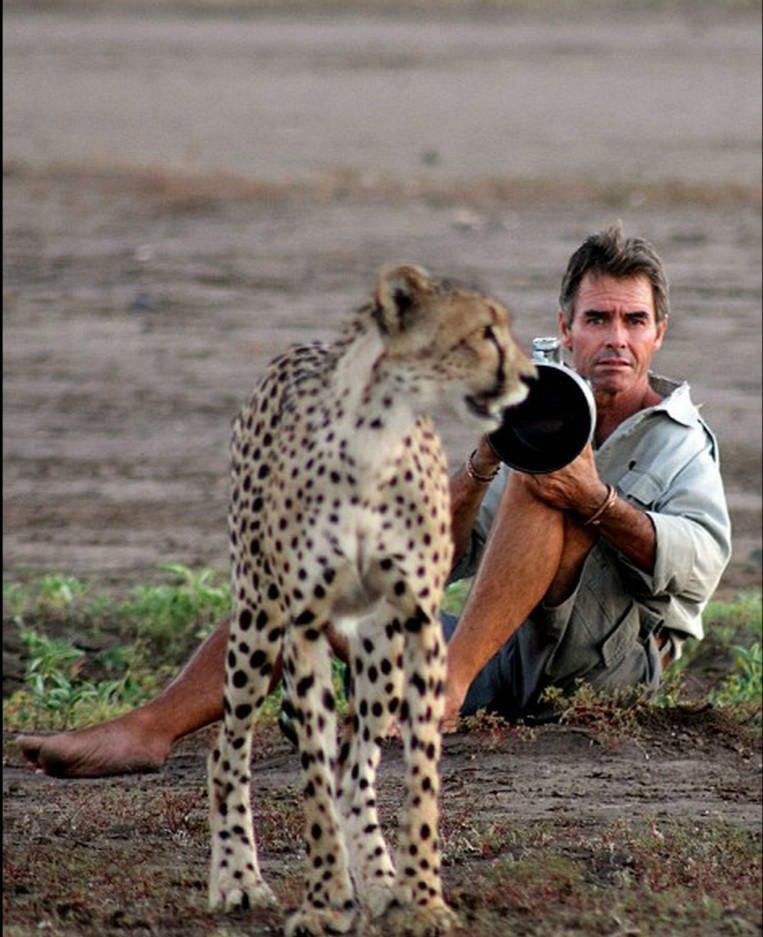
(556, 420)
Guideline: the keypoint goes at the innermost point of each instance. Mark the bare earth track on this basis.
(188, 191)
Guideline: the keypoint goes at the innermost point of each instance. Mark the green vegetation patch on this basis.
(89, 655)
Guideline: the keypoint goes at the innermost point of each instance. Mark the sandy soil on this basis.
(187, 192)
(104, 857)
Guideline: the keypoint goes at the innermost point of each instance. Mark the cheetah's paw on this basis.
(233, 896)
(318, 922)
(434, 920)
(378, 898)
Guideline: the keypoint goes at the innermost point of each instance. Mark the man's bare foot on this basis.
(454, 698)
(122, 746)
(451, 724)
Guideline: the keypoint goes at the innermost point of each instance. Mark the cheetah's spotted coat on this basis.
(340, 513)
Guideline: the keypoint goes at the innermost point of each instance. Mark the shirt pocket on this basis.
(643, 488)
(622, 638)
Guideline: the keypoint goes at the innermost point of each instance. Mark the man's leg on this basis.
(140, 740)
(534, 552)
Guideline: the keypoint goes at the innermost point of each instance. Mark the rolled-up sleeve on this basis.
(693, 545)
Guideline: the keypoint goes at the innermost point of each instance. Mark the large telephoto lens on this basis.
(551, 426)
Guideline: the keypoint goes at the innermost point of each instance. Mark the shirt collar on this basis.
(676, 401)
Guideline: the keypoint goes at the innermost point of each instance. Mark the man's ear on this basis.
(399, 290)
(661, 329)
(564, 329)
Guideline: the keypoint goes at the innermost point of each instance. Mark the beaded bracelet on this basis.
(596, 518)
(472, 472)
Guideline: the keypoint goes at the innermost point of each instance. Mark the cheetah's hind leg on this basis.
(421, 910)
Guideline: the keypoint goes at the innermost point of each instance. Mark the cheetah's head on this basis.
(453, 342)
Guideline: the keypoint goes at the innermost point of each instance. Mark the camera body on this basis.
(556, 420)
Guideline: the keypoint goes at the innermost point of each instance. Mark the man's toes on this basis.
(30, 747)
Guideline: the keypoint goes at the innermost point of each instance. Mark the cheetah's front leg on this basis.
(377, 679)
(235, 880)
(328, 906)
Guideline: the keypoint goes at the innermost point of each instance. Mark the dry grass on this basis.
(180, 189)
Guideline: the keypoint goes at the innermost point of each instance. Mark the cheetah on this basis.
(340, 513)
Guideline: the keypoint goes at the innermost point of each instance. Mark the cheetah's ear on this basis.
(399, 290)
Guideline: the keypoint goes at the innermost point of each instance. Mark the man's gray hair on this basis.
(610, 253)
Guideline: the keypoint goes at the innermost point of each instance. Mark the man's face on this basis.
(614, 334)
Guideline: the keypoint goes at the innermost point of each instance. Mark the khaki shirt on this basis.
(664, 461)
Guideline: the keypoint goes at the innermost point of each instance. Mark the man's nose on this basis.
(617, 335)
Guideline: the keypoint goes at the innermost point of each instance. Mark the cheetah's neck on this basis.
(376, 404)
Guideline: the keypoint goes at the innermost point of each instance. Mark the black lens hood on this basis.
(551, 426)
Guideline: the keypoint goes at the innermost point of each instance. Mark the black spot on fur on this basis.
(257, 659)
(239, 680)
(304, 686)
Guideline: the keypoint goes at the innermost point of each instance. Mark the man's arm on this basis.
(628, 529)
(693, 546)
(577, 488)
(674, 546)
(467, 490)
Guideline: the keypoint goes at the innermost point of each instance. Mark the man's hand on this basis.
(576, 487)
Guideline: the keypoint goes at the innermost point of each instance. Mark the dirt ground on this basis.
(189, 189)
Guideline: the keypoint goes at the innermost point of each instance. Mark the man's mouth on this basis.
(612, 363)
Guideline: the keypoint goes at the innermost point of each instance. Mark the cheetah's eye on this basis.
(488, 333)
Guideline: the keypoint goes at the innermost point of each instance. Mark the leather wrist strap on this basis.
(595, 519)
(476, 476)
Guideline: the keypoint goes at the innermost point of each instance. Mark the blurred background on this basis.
(191, 186)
